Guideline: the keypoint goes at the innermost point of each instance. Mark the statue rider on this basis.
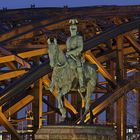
(74, 48)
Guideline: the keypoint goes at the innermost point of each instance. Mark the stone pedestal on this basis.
(76, 133)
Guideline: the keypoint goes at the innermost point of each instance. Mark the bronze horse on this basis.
(64, 76)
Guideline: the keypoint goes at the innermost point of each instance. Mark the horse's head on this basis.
(53, 51)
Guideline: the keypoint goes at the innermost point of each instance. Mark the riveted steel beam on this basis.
(91, 58)
(99, 105)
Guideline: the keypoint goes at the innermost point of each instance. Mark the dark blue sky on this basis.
(60, 3)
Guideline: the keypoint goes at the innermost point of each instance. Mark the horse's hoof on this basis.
(62, 120)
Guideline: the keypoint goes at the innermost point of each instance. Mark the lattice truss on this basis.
(111, 41)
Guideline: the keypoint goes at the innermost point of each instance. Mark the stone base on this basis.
(76, 133)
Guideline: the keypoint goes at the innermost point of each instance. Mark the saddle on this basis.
(73, 64)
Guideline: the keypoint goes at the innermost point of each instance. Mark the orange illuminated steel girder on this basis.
(121, 103)
(19, 105)
(9, 58)
(16, 58)
(11, 66)
(28, 54)
(8, 126)
(102, 58)
(43, 51)
(91, 58)
(12, 74)
(107, 99)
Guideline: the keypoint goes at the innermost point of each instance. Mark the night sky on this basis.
(61, 3)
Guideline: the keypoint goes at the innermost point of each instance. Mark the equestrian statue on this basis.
(70, 70)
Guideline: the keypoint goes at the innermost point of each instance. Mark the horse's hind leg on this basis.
(62, 92)
(61, 106)
(90, 89)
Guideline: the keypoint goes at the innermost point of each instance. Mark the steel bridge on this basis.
(111, 41)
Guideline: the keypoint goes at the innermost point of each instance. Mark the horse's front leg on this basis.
(61, 105)
(90, 89)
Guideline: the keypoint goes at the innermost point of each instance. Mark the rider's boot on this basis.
(81, 79)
